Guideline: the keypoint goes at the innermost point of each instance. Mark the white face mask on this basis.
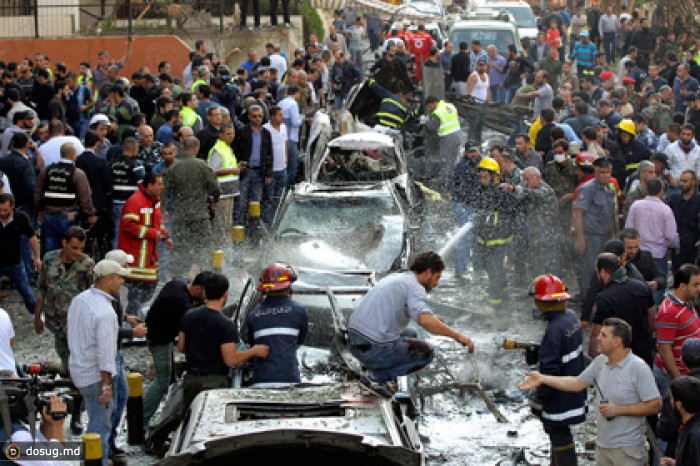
(559, 158)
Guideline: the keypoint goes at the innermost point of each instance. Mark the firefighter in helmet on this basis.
(494, 225)
(561, 354)
(280, 323)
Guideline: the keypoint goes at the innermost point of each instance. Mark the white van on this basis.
(521, 11)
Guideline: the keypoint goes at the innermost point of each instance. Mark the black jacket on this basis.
(99, 176)
(207, 138)
(460, 67)
(243, 144)
(20, 173)
(648, 268)
(669, 422)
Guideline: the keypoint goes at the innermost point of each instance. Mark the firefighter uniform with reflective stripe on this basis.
(139, 225)
(561, 355)
(392, 110)
(282, 324)
(494, 227)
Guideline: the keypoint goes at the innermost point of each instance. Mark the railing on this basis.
(68, 18)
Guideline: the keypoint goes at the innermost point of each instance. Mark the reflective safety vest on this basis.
(228, 160)
(58, 184)
(197, 83)
(189, 117)
(392, 113)
(449, 118)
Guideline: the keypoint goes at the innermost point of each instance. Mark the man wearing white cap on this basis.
(100, 124)
(92, 341)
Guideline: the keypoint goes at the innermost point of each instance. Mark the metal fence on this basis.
(70, 18)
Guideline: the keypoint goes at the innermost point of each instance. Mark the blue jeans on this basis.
(663, 381)
(339, 98)
(498, 94)
(251, 185)
(25, 250)
(120, 393)
(163, 363)
(517, 128)
(386, 361)
(461, 213)
(292, 162)
(610, 46)
(663, 266)
(52, 230)
(116, 215)
(164, 256)
(273, 196)
(18, 276)
(373, 35)
(98, 416)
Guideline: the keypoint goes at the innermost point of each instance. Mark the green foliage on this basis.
(312, 21)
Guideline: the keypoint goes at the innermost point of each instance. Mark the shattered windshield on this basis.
(321, 216)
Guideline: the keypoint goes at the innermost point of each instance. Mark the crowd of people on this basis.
(131, 182)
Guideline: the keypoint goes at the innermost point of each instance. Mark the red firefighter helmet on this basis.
(549, 287)
(585, 159)
(277, 276)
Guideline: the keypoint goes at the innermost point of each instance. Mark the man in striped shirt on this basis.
(676, 321)
(92, 341)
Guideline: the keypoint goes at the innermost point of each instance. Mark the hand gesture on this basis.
(534, 380)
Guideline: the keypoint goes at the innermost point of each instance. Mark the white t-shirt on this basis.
(51, 149)
(279, 146)
(25, 437)
(280, 64)
(7, 333)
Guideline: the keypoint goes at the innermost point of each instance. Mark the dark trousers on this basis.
(563, 446)
(256, 12)
(101, 236)
(273, 12)
(18, 276)
(140, 293)
(194, 384)
(493, 257)
(610, 46)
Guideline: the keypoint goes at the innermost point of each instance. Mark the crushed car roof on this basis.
(363, 141)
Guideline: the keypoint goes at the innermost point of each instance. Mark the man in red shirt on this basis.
(676, 321)
(421, 42)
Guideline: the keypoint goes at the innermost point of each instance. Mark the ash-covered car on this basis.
(327, 419)
(347, 226)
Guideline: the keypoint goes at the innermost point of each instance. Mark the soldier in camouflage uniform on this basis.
(657, 115)
(542, 233)
(66, 272)
(560, 175)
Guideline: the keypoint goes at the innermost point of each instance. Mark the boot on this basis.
(565, 456)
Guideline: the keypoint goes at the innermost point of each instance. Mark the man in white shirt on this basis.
(7, 341)
(293, 121)
(683, 154)
(51, 149)
(92, 342)
(280, 148)
(278, 62)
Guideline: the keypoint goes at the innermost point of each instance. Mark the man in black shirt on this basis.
(625, 298)
(57, 105)
(208, 340)
(12, 226)
(653, 276)
(460, 69)
(163, 321)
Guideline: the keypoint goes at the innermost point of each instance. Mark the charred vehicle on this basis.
(327, 419)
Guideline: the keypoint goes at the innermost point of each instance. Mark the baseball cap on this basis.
(602, 162)
(481, 61)
(628, 81)
(584, 33)
(120, 257)
(665, 87)
(471, 146)
(99, 118)
(109, 267)
(605, 75)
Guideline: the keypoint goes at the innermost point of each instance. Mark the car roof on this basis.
(481, 24)
(362, 141)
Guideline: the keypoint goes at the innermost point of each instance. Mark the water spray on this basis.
(451, 244)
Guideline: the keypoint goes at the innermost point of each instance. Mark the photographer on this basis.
(53, 415)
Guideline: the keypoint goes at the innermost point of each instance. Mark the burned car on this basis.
(347, 226)
(327, 419)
